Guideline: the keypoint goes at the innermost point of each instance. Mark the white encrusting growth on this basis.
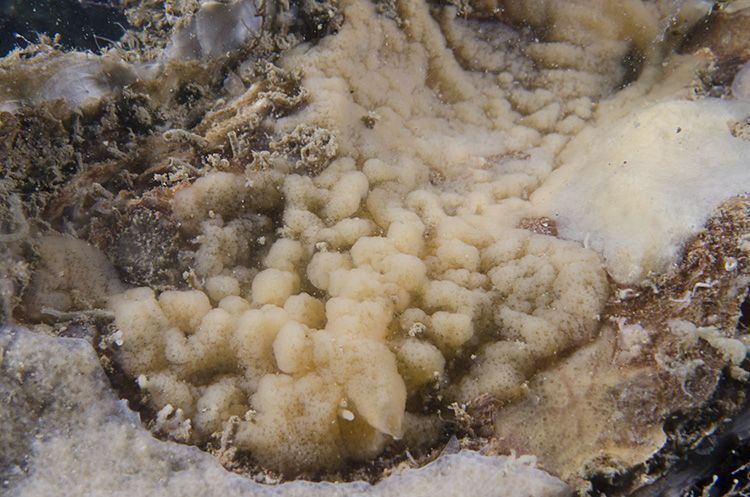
(640, 186)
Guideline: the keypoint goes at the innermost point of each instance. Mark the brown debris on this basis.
(540, 225)
(484, 411)
(708, 286)
(741, 129)
(727, 36)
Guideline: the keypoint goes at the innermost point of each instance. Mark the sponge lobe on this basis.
(397, 273)
(312, 380)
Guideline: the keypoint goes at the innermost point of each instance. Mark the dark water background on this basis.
(82, 24)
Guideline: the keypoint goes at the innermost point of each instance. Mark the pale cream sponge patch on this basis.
(399, 271)
(637, 188)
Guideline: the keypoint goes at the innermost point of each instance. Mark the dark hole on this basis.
(633, 64)
(82, 24)
(695, 37)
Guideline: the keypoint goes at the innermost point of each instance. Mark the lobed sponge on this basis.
(399, 271)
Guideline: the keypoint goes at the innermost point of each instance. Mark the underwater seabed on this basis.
(378, 248)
